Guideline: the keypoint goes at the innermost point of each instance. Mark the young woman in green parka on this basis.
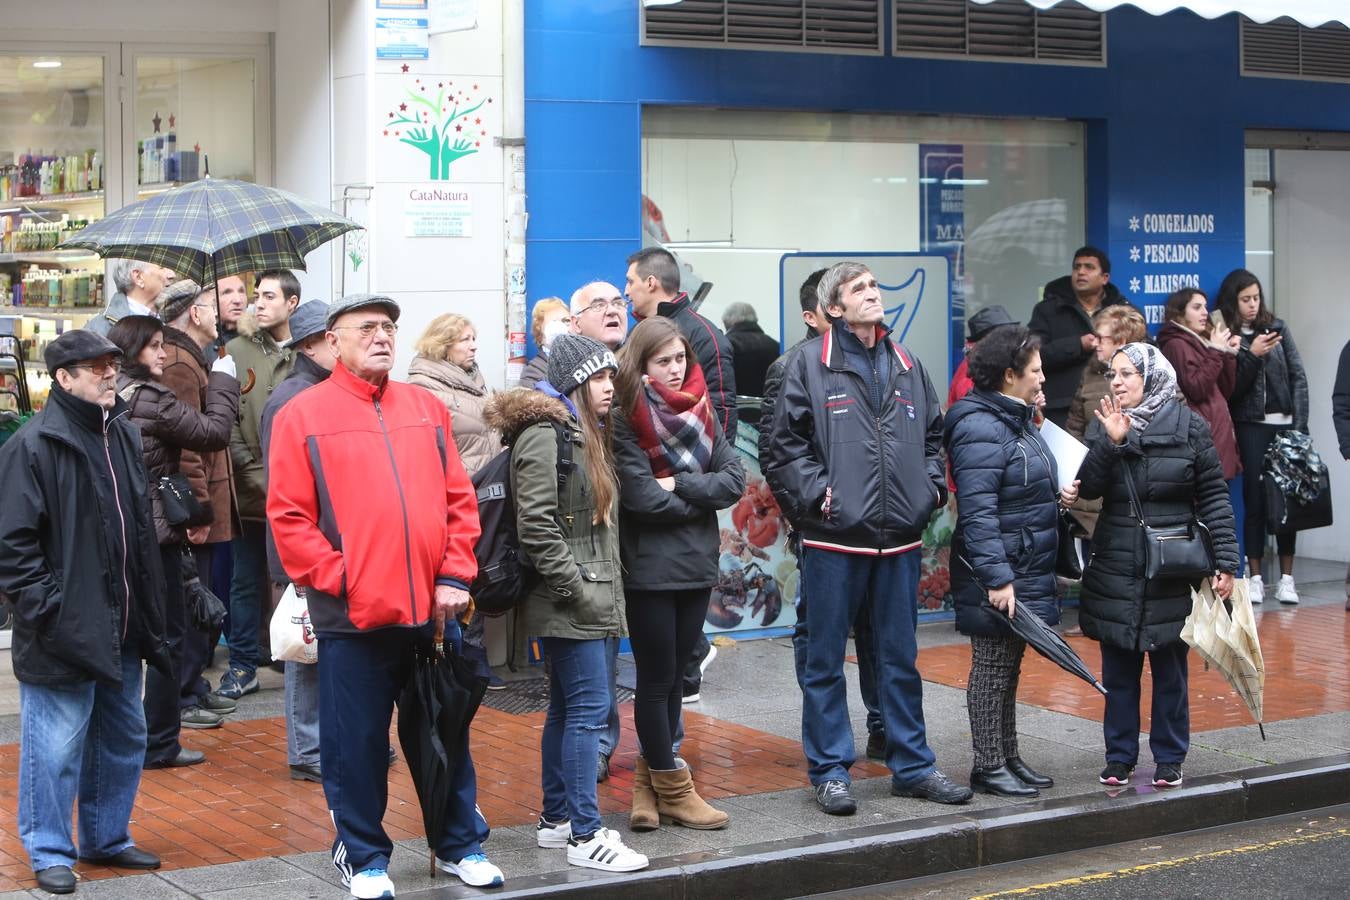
(569, 534)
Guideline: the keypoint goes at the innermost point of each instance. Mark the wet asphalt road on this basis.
(1304, 856)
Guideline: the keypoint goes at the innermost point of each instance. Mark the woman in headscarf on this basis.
(1150, 439)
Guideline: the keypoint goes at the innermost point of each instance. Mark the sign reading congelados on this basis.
(1157, 268)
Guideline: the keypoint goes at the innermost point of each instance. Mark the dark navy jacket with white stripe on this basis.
(877, 452)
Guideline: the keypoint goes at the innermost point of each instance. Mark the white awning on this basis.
(1311, 13)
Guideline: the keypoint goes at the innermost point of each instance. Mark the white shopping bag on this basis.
(292, 634)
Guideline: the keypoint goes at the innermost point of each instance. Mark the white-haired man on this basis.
(138, 287)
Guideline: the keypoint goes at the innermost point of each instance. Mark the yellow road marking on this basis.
(1165, 864)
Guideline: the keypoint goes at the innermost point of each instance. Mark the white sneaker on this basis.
(1256, 589)
(605, 851)
(371, 884)
(707, 660)
(474, 870)
(1285, 593)
(552, 836)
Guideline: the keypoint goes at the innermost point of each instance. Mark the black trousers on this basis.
(1253, 440)
(162, 723)
(663, 627)
(192, 687)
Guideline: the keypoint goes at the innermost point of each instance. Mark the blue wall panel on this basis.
(1164, 123)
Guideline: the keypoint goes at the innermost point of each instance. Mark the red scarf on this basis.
(675, 428)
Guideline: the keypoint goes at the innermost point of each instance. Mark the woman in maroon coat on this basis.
(1204, 353)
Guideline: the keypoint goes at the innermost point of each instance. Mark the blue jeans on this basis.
(302, 714)
(82, 742)
(247, 588)
(609, 738)
(839, 584)
(360, 678)
(864, 642)
(578, 704)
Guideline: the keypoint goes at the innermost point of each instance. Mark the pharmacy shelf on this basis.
(14, 204)
(48, 312)
(47, 256)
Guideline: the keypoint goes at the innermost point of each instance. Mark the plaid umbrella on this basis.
(213, 228)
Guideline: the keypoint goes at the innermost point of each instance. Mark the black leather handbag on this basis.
(181, 508)
(1174, 551)
(1068, 561)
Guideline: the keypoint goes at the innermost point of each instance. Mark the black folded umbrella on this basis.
(205, 610)
(1045, 641)
(435, 708)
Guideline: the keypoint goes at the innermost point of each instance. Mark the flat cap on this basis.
(175, 299)
(310, 318)
(361, 301)
(76, 347)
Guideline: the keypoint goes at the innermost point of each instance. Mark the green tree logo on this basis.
(445, 130)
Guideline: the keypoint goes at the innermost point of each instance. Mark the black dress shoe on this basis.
(1027, 775)
(1002, 782)
(308, 772)
(57, 880)
(936, 787)
(130, 858)
(876, 746)
(185, 757)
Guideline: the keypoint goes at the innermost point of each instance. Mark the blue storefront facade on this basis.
(1164, 123)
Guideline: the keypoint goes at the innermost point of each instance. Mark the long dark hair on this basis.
(598, 451)
(132, 334)
(1233, 284)
(649, 336)
(1175, 310)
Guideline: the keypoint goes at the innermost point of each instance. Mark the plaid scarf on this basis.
(675, 428)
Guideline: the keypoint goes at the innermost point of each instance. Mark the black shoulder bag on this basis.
(1174, 551)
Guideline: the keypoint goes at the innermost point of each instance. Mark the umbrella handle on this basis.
(438, 642)
(248, 382)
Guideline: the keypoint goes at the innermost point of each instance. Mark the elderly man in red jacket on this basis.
(374, 516)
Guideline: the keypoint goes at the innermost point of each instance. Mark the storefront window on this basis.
(193, 117)
(732, 192)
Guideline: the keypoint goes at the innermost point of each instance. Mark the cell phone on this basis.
(1266, 329)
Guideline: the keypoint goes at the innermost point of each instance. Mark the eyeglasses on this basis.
(100, 368)
(1123, 373)
(618, 304)
(367, 329)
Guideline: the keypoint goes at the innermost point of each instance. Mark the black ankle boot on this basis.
(1027, 774)
(1000, 781)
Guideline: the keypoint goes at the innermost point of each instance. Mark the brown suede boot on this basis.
(643, 816)
(678, 802)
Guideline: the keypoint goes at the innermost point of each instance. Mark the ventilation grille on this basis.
(832, 24)
(1284, 47)
(1007, 29)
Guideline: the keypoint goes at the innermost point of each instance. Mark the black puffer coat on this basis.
(1060, 322)
(1007, 503)
(169, 426)
(1177, 473)
(669, 539)
(1276, 382)
(79, 559)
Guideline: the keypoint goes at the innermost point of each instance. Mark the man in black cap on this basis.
(314, 360)
(81, 565)
(977, 326)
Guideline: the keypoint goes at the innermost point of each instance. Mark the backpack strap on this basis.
(564, 436)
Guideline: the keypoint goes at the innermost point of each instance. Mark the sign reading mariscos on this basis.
(1167, 258)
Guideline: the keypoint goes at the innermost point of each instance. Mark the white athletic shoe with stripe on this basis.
(474, 870)
(605, 851)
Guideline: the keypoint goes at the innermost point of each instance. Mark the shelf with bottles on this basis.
(37, 176)
(38, 289)
(78, 314)
(40, 204)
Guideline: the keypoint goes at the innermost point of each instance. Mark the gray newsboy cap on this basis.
(310, 318)
(76, 347)
(361, 301)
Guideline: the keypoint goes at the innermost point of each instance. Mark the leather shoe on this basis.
(308, 772)
(1002, 782)
(185, 757)
(57, 880)
(130, 858)
(1027, 775)
(936, 787)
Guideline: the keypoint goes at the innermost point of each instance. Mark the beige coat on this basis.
(465, 395)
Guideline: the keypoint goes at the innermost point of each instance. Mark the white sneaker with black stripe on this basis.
(605, 851)
(552, 835)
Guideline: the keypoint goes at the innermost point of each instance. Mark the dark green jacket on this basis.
(580, 595)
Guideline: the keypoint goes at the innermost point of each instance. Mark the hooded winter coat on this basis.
(1205, 376)
(580, 594)
(1007, 503)
(1276, 382)
(80, 560)
(255, 350)
(465, 394)
(670, 539)
(185, 373)
(1177, 472)
(169, 426)
(1060, 321)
